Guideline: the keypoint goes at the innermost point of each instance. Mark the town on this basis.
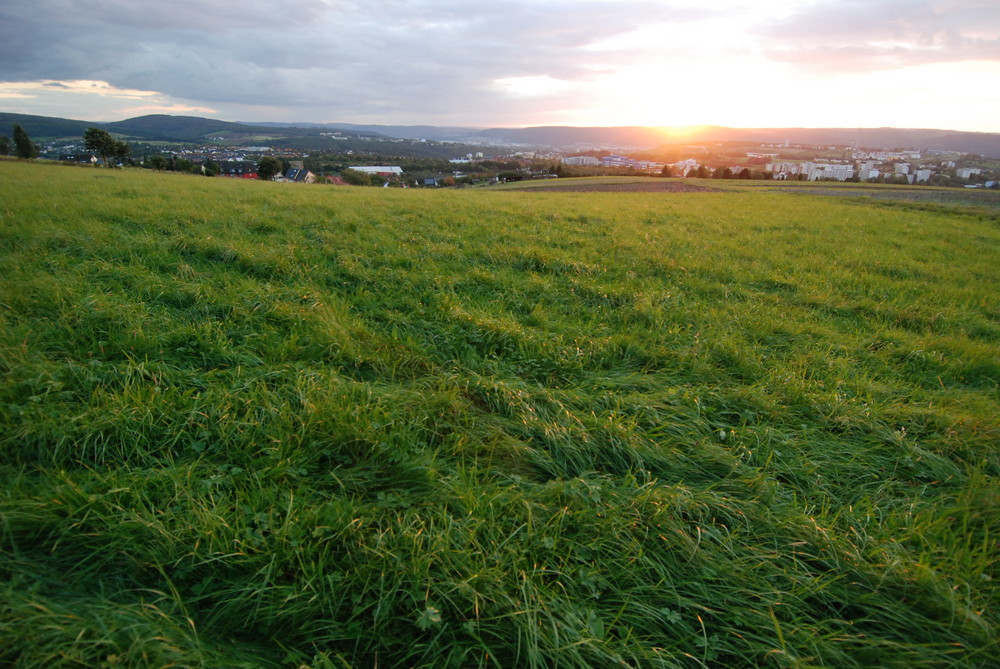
(337, 157)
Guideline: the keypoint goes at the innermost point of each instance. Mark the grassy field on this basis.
(273, 425)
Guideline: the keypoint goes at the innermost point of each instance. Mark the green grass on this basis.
(270, 425)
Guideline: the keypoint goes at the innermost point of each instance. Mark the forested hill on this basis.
(43, 127)
(193, 130)
(153, 127)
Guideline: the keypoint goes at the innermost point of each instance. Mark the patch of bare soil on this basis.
(652, 187)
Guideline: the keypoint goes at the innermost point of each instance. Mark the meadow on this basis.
(250, 424)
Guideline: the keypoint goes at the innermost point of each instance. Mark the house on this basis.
(238, 170)
(300, 175)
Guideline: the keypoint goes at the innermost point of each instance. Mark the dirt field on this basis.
(625, 187)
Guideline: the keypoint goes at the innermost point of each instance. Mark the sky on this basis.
(509, 63)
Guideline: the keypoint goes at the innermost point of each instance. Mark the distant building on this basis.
(581, 160)
(966, 172)
(381, 170)
(782, 171)
(827, 171)
(81, 158)
(682, 167)
(619, 161)
(924, 175)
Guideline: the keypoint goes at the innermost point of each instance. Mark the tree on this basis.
(102, 143)
(355, 178)
(268, 167)
(23, 146)
(157, 162)
(4, 145)
(121, 151)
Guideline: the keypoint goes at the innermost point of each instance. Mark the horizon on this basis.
(586, 63)
(691, 129)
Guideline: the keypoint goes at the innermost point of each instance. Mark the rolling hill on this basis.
(310, 136)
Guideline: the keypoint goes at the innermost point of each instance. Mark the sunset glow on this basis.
(931, 63)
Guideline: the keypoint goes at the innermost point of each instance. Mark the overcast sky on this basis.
(744, 63)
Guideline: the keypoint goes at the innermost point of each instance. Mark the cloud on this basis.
(859, 36)
(104, 101)
(374, 57)
(461, 63)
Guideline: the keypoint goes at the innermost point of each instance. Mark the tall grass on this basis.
(249, 424)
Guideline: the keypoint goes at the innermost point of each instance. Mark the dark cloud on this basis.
(360, 58)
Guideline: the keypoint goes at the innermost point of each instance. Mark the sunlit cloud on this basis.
(100, 100)
(520, 62)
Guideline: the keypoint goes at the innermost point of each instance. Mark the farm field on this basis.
(250, 424)
(975, 201)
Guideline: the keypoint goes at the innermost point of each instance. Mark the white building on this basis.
(782, 170)
(377, 169)
(924, 175)
(684, 166)
(581, 160)
(966, 172)
(827, 171)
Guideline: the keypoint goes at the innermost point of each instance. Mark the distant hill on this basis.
(428, 132)
(386, 138)
(987, 144)
(567, 136)
(194, 130)
(43, 127)
(174, 128)
(639, 137)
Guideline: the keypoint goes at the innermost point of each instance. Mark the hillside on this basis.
(174, 128)
(635, 137)
(456, 141)
(985, 144)
(196, 131)
(42, 127)
(249, 424)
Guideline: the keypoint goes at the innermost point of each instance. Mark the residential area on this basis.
(896, 167)
(340, 158)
